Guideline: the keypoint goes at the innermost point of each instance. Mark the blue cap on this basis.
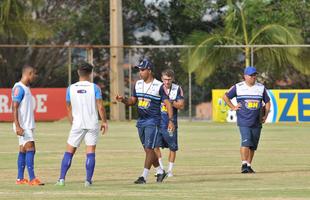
(250, 70)
(145, 64)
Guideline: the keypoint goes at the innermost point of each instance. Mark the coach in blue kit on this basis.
(148, 94)
(169, 139)
(251, 113)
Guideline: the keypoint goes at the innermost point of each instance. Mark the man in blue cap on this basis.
(148, 94)
(252, 100)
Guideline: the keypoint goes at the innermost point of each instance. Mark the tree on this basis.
(246, 23)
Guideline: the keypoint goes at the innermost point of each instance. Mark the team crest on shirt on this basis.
(252, 104)
(16, 91)
(143, 103)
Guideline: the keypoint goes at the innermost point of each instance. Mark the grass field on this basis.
(207, 166)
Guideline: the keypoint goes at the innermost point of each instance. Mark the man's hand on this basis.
(237, 107)
(119, 98)
(19, 131)
(104, 127)
(171, 126)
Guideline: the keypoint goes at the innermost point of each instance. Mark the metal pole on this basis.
(130, 79)
(252, 56)
(69, 67)
(189, 92)
(190, 96)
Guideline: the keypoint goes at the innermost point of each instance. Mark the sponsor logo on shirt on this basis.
(81, 91)
(143, 103)
(252, 104)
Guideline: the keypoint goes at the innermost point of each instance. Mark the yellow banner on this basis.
(286, 106)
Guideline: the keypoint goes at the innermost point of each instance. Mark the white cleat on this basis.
(170, 174)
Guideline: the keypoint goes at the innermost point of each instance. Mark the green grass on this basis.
(207, 165)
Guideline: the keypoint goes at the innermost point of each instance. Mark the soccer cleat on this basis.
(88, 184)
(244, 169)
(161, 177)
(21, 181)
(250, 170)
(35, 182)
(140, 180)
(170, 174)
(60, 182)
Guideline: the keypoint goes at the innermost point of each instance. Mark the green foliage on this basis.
(248, 22)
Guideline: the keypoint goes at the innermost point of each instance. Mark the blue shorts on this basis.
(148, 135)
(250, 136)
(165, 140)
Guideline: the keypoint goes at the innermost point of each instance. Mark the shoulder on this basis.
(259, 85)
(240, 84)
(157, 83)
(139, 82)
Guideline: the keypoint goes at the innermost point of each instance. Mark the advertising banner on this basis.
(49, 104)
(286, 106)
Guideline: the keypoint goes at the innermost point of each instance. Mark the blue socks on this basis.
(30, 164)
(65, 164)
(21, 163)
(90, 166)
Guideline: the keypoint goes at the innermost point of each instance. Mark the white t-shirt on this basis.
(22, 94)
(83, 95)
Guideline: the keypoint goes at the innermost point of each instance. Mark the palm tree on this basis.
(246, 23)
(17, 21)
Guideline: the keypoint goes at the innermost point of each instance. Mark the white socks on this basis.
(159, 170)
(170, 166)
(161, 163)
(145, 173)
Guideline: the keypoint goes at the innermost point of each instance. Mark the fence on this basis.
(56, 69)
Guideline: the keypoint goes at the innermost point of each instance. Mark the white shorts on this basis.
(77, 135)
(27, 137)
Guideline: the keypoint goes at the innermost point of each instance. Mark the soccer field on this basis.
(207, 164)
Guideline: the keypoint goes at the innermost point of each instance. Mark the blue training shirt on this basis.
(175, 93)
(250, 98)
(149, 97)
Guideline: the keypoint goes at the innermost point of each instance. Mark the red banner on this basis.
(50, 104)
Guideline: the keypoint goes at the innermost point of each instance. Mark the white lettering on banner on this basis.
(38, 103)
(41, 98)
(4, 104)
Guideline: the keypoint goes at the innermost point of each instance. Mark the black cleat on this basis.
(244, 169)
(140, 180)
(250, 170)
(161, 177)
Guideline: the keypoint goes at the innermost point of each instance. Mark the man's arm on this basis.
(103, 116)
(267, 109)
(127, 101)
(69, 112)
(170, 114)
(19, 130)
(178, 104)
(230, 104)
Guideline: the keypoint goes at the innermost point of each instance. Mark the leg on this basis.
(251, 155)
(30, 152)
(159, 156)
(21, 163)
(90, 162)
(66, 161)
